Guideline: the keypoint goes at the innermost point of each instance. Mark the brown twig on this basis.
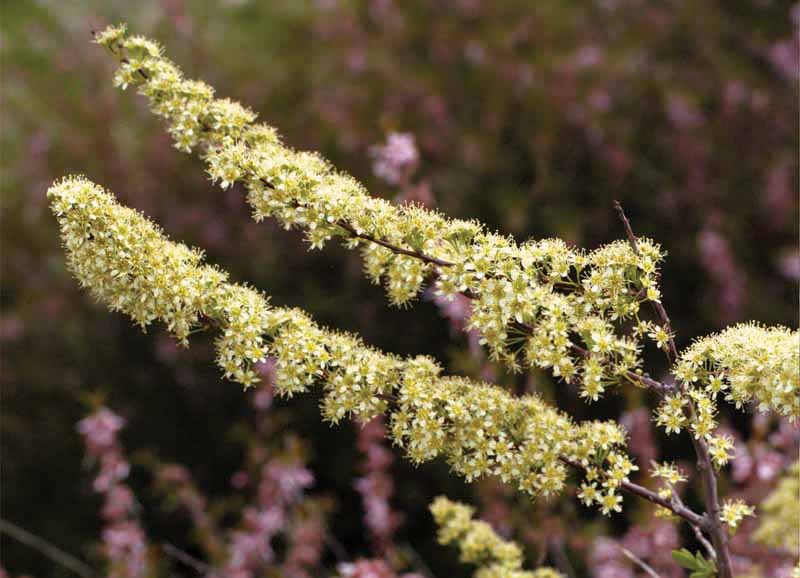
(661, 313)
(336, 547)
(643, 379)
(640, 563)
(678, 509)
(394, 248)
(698, 532)
(719, 535)
(560, 557)
(44, 547)
(705, 543)
(186, 559)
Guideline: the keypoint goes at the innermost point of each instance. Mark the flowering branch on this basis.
(538, 304)
(563, 294)
(128, 264)
(661, 313)
(676, 507)
(479, 544)
(713, 523)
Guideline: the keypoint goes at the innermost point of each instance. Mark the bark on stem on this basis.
(679, 509)
(719, 536)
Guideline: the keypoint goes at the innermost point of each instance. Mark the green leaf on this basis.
(686, 559)
(702, 568)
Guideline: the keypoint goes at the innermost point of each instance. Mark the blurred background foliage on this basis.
(531, 116)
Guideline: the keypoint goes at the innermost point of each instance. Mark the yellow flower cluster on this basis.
(479, 544)
(747, 363)
(128, 264)
(531, 300)
(669, 476)
(734, 511)
(779, 520)
(671, 414)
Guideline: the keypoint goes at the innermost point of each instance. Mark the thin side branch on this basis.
(697, 531)
(719, 535)
(560, 558)
(642, 379)
(186, 559)
(705, 543)
(394, 248)
(687, 514)
(658, 308)
(47, 549)
(678, 509)
(640, 563)
(336, 547)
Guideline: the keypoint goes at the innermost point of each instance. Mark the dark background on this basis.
(531, 116)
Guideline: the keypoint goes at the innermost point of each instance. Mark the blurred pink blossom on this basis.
(789, 266)
(307, 547)
(100, 430)
(395, 160)
(123, 537)
(289, 479)
(682, 113)
(587, 56)
(376, 485)
(718, 259)
(783, 56)
(366, 569)
(119, 502)
(125, 541)
(642, 441)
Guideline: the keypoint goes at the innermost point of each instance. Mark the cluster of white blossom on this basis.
(480, 429)
(539, 304)
(734, 511)
(669, 476)
(479, 544)
(746, 363)
(531, 302)
(125, 262)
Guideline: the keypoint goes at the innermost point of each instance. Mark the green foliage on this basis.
(697, 563)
